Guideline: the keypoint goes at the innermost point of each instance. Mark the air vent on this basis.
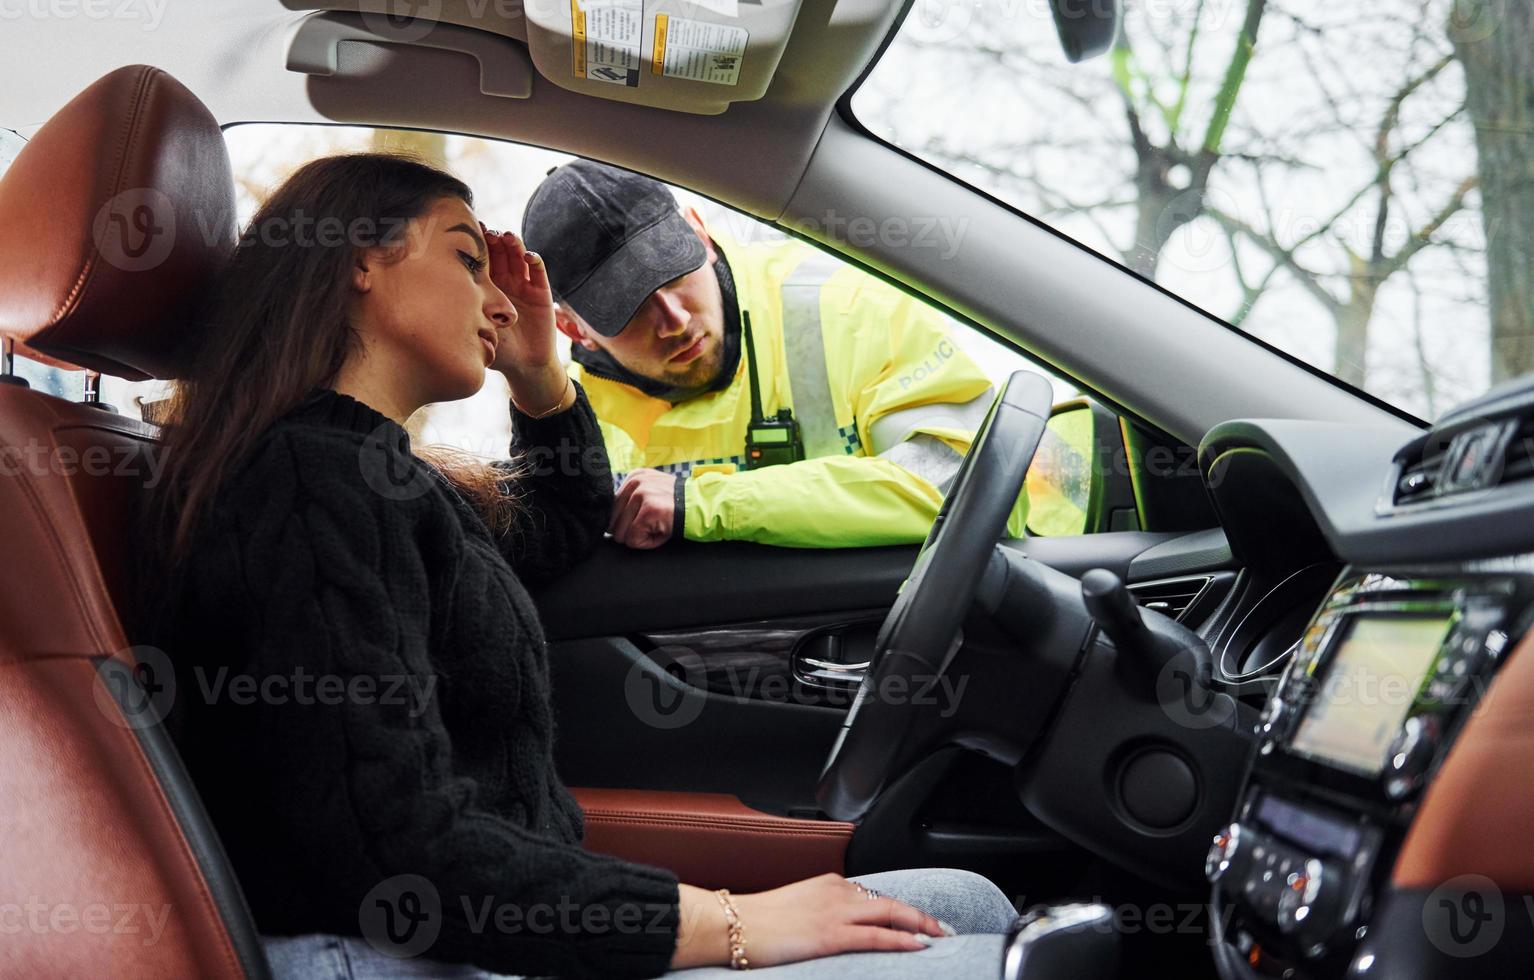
(1172, 596)
(1465, 457)
(1518, 457)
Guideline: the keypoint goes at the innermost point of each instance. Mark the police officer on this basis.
(759, 392)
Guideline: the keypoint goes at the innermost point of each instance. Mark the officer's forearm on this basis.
(828, 502)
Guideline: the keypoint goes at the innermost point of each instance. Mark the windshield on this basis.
(1352, 183)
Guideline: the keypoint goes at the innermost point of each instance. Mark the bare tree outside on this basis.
(1494, 40)
(1307, 171)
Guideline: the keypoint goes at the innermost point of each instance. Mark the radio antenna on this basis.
(756, 392)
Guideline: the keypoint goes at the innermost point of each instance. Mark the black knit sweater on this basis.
(398, 722)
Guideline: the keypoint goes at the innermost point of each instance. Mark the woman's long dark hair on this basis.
(277, 327)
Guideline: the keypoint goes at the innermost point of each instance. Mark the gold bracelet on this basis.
(543, 415)
(738, 959)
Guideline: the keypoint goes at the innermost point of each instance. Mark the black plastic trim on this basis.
(681, 584)
(1189, 554)
(1338, 472)
(201, 838)
(1117, 551)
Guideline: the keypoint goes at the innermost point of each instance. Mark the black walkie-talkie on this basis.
(768, 441)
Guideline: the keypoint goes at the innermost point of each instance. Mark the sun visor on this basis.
(689, 55)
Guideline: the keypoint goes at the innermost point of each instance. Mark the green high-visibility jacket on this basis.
(886, 401)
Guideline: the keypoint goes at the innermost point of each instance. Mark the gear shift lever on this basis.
(1062, 942)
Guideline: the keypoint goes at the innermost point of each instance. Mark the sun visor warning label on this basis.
(605, 39)
(698, 50)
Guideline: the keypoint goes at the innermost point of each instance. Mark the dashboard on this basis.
(1391, 581)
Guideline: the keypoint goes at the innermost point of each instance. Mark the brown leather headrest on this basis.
(111, 220)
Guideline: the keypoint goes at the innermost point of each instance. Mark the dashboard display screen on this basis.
(1371, 683)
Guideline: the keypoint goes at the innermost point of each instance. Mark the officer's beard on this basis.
(602, 364)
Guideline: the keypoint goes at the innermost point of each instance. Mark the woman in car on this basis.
(362, 681)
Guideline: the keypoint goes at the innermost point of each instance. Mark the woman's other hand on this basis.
(820, 916)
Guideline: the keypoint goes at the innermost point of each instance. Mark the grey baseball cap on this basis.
(609, 239)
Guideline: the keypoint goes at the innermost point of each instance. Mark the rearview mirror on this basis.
(1087, 28)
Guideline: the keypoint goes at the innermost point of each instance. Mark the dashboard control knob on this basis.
(1310, 903)
(1410, 755)
(1224, 848)
(1275, 716)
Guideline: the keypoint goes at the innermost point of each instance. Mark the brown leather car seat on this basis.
(111, 219)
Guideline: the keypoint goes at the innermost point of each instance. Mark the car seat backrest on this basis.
(112, 220)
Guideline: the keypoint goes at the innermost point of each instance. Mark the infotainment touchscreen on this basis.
(1370, 684)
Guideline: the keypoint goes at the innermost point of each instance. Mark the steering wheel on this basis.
(922, 631)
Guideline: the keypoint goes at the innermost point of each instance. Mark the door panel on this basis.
(624, 722)
(684, 585)
(814, 660)
(673, 669)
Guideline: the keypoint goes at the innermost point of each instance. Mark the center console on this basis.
(1379, 685)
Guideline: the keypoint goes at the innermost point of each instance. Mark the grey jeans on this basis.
(977, 910)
